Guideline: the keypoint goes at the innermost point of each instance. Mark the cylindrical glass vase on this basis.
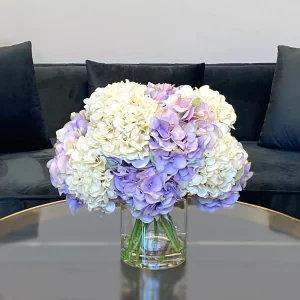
(160, 244)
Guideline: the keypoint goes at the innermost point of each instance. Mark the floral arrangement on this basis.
(149, 146)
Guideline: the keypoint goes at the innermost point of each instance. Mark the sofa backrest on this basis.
(247, 87)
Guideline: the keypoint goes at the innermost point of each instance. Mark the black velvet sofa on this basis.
(24, 177)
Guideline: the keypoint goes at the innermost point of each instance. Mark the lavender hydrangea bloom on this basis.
(169, 133)
(152, 186)
(160, 92)
(167, 136)
(203, 114)
(58, 171)
(185, 108)
(211, 205)
(192, 109)
(246, 175)
(74, 204)
(58, 166)
(169, 163)
(185, 175)
(146, 211)
(125, 182)
(161, 135)
(177, 149)
(147, 192)
(73, 129)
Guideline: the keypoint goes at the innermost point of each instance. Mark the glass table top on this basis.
(242, 253)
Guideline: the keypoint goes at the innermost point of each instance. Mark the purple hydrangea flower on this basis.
(58, 171)
(146, 211)
(185, 175)
(211, 205)
(168, 136)
(147, 192)
(58, 166)
(169, 115)
(74, 204)
(203, 114)
(183, 105)
(152, 186)
(246, 175)
(161, 135)
(160, 92)
(185, 109)
(169, 163)
(125, 182)
(73, 129)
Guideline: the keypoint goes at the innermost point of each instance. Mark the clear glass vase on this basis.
(160, 244)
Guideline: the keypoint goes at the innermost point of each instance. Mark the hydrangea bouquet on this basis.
(149, 147)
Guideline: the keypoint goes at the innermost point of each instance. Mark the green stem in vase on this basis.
(132, 238)
(176, 235)
(142, 239)
(138, 238)
(156, 230)
(138, 253)
(169, 232)
(174, 231)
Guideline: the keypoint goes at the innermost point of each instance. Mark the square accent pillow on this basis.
(100, 74)
(281, 127)
(21, 124)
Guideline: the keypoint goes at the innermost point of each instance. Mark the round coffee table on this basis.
(243, 253)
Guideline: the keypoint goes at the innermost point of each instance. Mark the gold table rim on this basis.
(62, 201)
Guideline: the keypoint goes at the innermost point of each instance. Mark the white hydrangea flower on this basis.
(119, 120)
(222, 166)
(88, 178)
(224, 113)
(186, 91)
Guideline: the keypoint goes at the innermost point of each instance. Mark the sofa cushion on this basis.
(274, 169)
(282, 123)
(62, 89)
(21, 124)
(100, 74)
(25, 175)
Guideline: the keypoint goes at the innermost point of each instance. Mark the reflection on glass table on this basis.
(242, 253)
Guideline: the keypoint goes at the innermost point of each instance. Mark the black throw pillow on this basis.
(281, 127)
(21, 124)
(100, 74)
